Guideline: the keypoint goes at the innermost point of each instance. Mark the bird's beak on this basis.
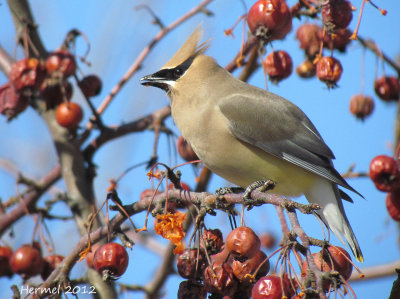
(154, 80)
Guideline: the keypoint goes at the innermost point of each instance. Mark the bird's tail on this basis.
(326, 194)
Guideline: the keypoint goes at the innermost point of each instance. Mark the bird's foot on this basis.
(226, 190)
(265, 186)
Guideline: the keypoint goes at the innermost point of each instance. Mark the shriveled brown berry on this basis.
(90, 86)
(329, 70)
(306, 69)
(336, 14)
(309, 36)
(270, 19)
(219, 279)
(191, 289)
(243, 243)
(361, 106)
(278, 65)
(384, 172)
(393, 204)
(5, 255)
(61, 62)
(191, 263)
(387, 88)
(12, 103)
(272, 287)
(185, 150)
(55, 93)
(213, 240)
(339, 40)
(27, 75)
(243, 271)
(50, 263)
(27, 261)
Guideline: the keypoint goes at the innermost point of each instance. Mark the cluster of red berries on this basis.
(272, 20)
(239, 268)
(27, 261)
(33, 78)
(385, 173)
(234, 266)
(110, 260)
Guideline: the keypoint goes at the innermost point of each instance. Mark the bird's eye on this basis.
(178, 71)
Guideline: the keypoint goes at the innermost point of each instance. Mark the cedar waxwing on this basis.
(246, 134)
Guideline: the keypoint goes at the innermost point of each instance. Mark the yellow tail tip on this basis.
(360, 258)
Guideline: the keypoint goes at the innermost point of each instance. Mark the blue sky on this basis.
(118, 33)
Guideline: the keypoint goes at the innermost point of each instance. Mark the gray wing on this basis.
(282, 130)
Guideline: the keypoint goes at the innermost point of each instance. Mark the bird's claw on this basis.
(226, 190)
(265, 186)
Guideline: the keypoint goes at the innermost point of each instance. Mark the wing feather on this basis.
(283, 130)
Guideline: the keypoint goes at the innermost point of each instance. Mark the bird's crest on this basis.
(189, 49)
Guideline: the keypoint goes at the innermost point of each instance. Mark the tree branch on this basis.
(5, 61)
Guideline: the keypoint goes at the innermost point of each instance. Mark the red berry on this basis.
(332, 258)
(387, 88)
(329, 70)
(339, 40)
(278, 65)
(112, 257)
(309, 36)
(223, 255)
(90, 255)
(270, 19)
(341, 260)
(185, 150)
(61, 62)
(69, 115)
(336, 14)
(184, 186)
(90, 86)
(148, 193)
(268, 240)
(5, 255)
(393, 205)
(27, 261)
(218, 278)
(361, 106)
(243, 270)
(27, 74)
(306, 69)
(213, 240)
(384, 172)
(12, 103)
(191, 263)
(272, 287)
(243, 243)
(50, 263)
